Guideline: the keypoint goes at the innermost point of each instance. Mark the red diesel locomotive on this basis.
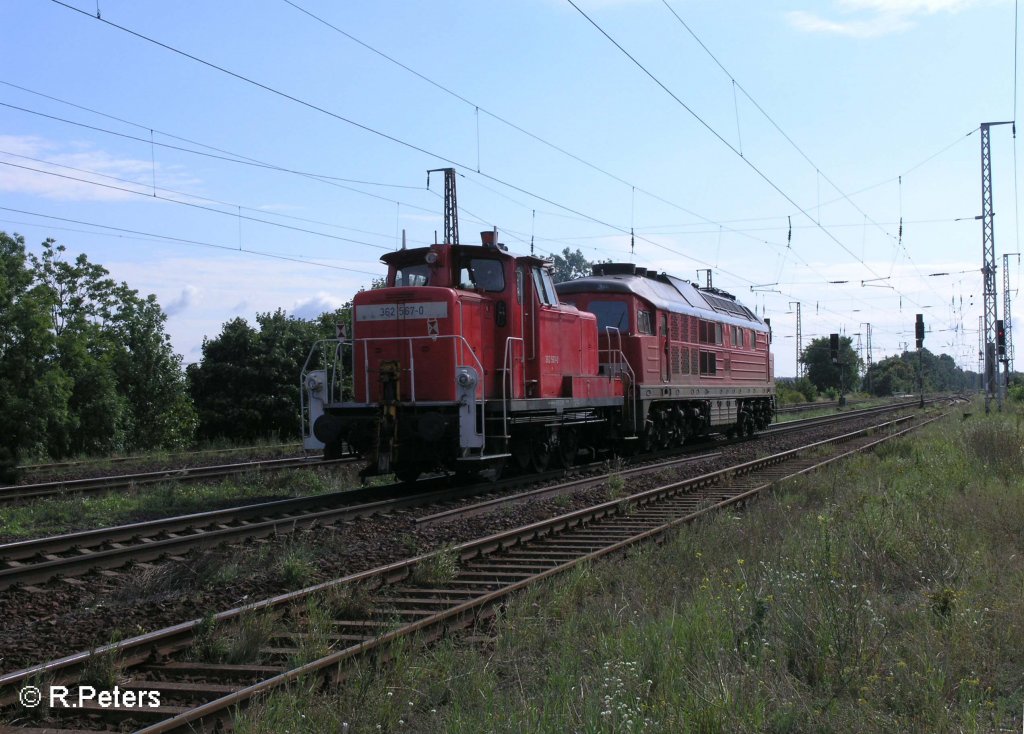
(471, 358)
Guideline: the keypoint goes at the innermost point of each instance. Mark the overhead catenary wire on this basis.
(477, 108)
(196, 206)
(717, 135)
(192, 195)
(186, 241)
(493, 178)
(581, 215)
(241, 157)
(229, 157)
(818, 172)
(368, 129)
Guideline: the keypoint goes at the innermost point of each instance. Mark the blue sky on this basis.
(838, 116)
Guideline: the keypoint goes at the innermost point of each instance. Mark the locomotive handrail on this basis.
(508, 365)
(455, 338)
(623, 366)
(335, 382)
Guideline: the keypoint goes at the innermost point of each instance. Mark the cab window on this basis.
(413, 275)
(643, 322)
(482, 273)
(544, 286)
(612, 314)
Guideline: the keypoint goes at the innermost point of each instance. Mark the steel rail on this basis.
(801, 423)
(488, 573)
(36, 561)
(39, 560)
(142, 457)
(60, 487)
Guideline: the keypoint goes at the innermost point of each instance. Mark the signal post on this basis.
(919, 339)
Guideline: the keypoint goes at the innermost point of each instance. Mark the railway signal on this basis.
(833, 347)
(919, 337)
(1000, 339)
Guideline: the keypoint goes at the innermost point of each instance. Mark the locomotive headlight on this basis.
(465, 379)
(312, 383)
(431, 258)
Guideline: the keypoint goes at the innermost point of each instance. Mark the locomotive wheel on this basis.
(334, 450)
(520, 450)
(408, 474)
(540, 453)
(568, 447)
(749, 426)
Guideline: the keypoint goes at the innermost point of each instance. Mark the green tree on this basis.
(570, 266)
(151, 377)
(898, 375)
(85, 364)
(247, 384)
(33, 395)
(820, 371)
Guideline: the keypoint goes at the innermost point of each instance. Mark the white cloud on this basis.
(139, 173)
(907, 7)
(856, 29)
(874, 18)
(310, 308)
(182, 302)
(219, 288)
(421, 217)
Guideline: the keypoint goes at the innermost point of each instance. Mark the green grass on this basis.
(236, 644)
(436, 569)
(229, 449)
(59, 515)
(884, 595)
(296, 565)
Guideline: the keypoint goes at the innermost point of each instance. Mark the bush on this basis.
(806, 388)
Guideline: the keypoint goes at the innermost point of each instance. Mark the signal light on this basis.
(833, 347)
(919, 331)
(1000, 339)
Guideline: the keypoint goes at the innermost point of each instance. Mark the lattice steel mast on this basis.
(451, 206)
(981, 353)
(799, 341)
(1007, 319)
(867, 342)
(988, 267)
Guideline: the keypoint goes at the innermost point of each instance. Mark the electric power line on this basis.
(184, 241)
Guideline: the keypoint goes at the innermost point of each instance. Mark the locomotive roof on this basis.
(664, 292)
(417, 254)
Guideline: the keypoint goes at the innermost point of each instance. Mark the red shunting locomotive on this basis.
(471, 358)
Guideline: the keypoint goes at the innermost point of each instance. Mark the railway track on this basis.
(52, 466)
(75, 554)
(72, 555)
(395, 601)
(95, 485)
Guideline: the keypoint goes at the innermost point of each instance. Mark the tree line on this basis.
(87, 367)
(896, 375)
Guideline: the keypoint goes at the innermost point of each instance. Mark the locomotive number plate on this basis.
(394, 311)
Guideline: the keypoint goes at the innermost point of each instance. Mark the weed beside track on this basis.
(881, 595)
